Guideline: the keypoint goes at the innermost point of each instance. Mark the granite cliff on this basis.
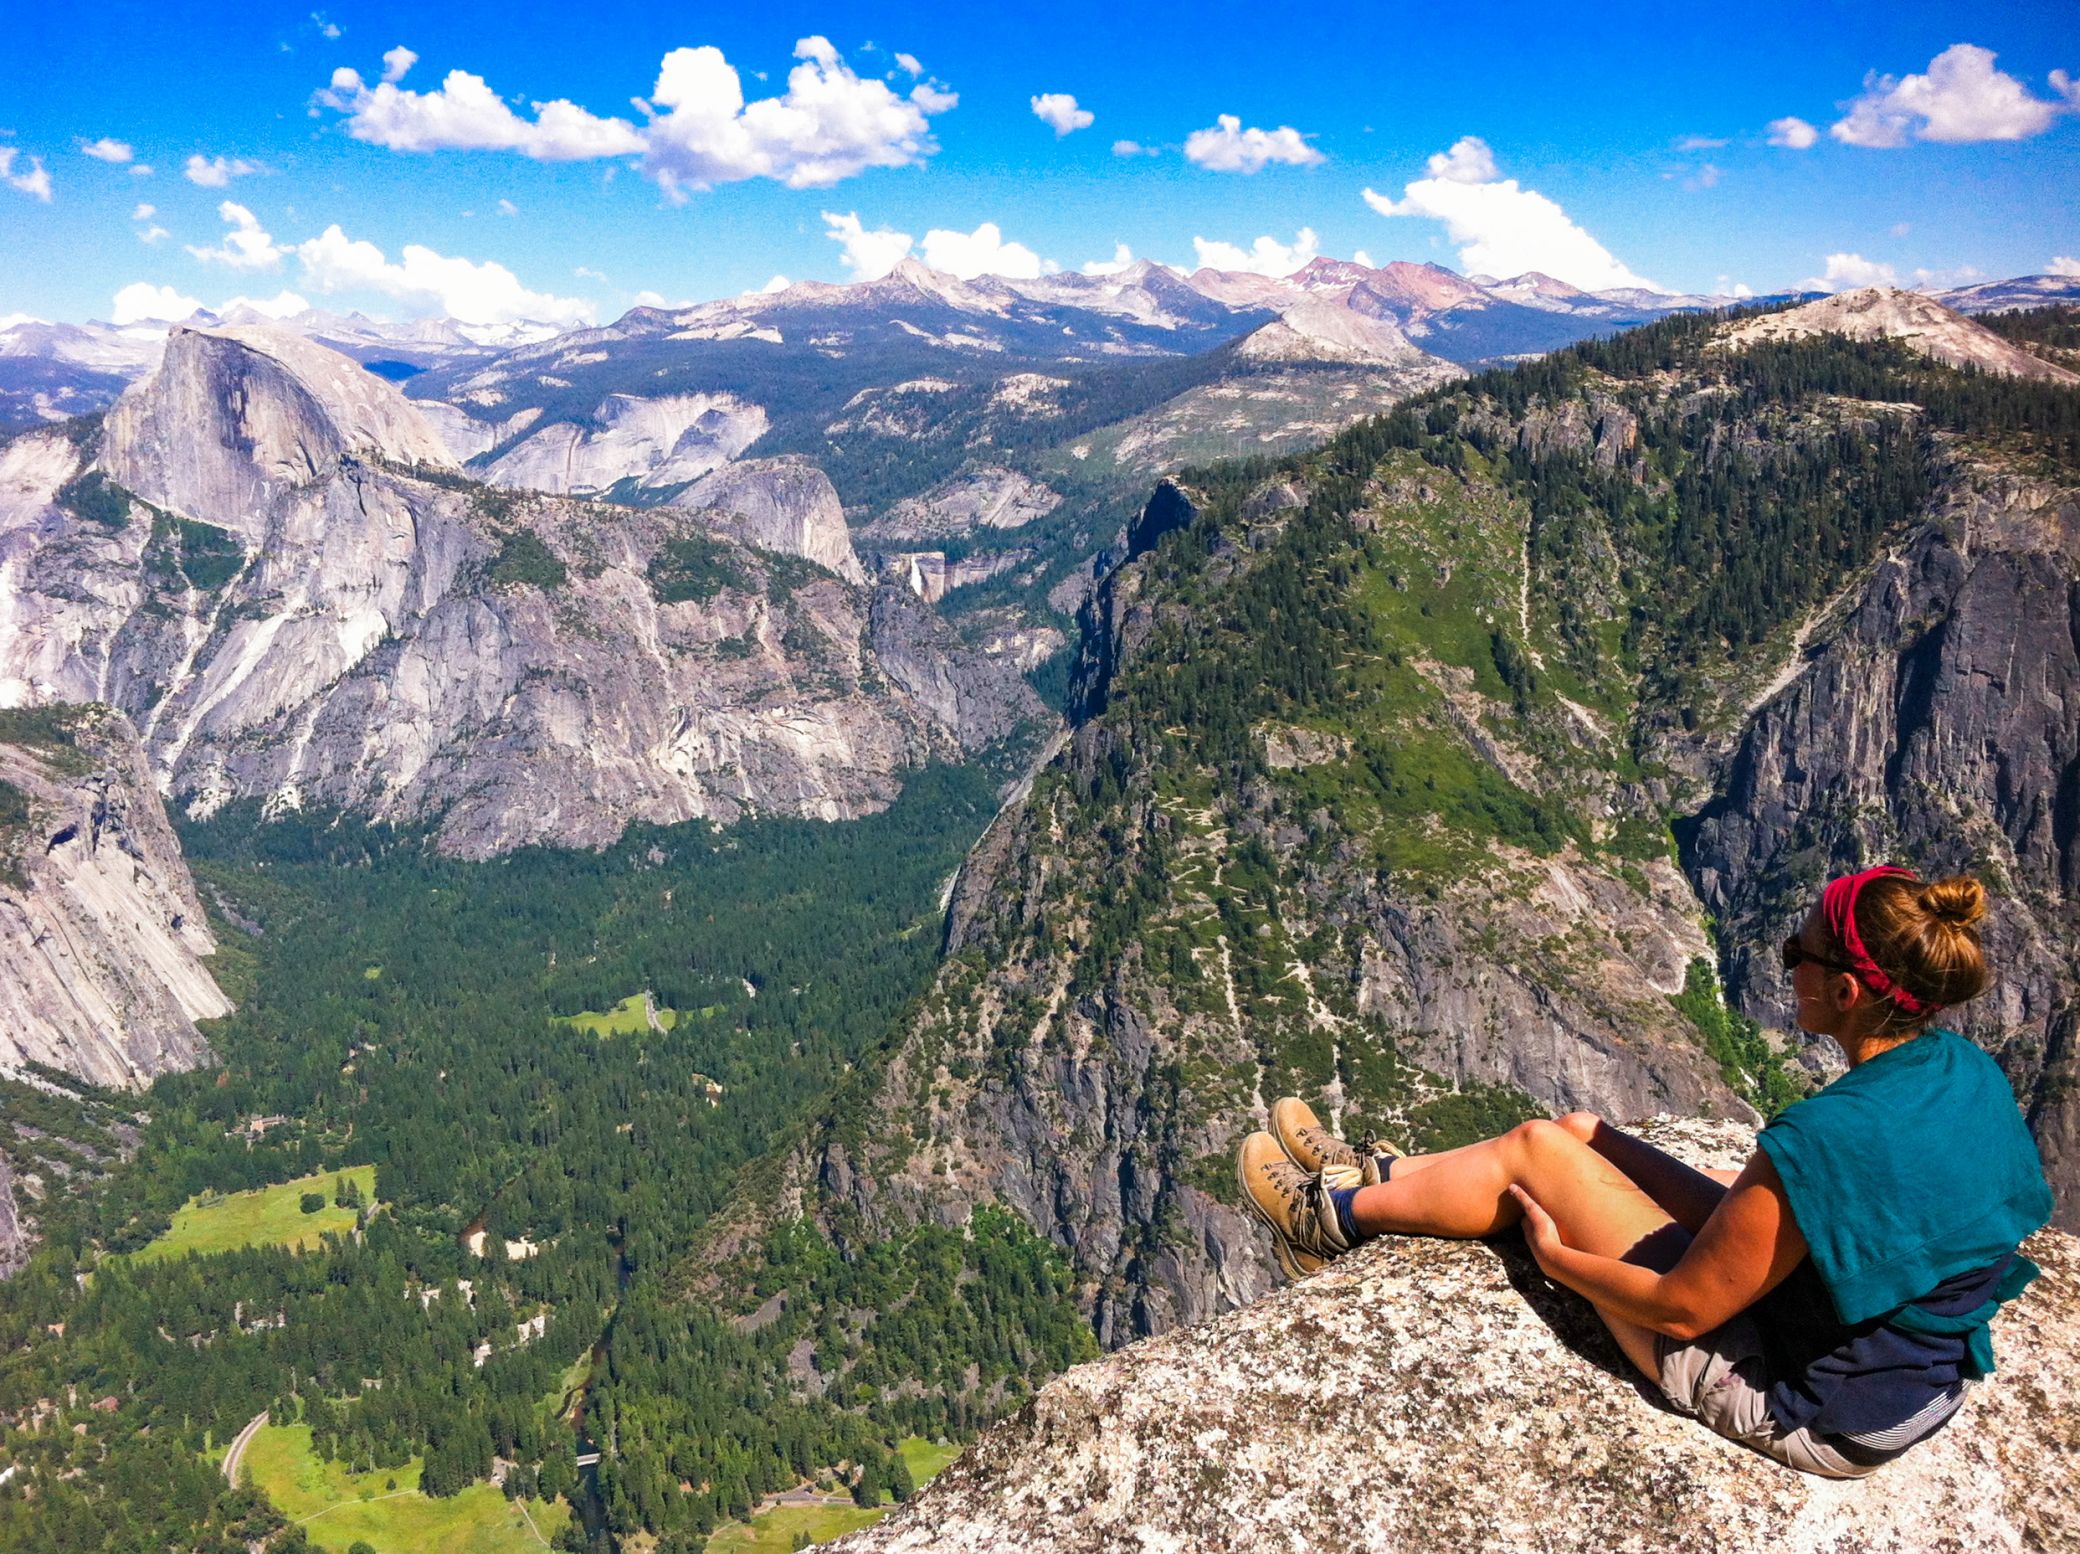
(104, 937)
(103, 943)
(1933, 713)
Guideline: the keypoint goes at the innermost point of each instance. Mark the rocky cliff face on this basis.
(1141, 955)
(787, 506)
(651, 444)
(1443, 1396)
(1933, 714)
(236, 421)
(102, 942)
(273, 568)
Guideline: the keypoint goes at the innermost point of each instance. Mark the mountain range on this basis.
(52, 370)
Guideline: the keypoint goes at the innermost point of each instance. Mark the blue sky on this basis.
(1633, 142)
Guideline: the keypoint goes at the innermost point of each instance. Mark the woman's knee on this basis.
(1582, 1125)
(1538, 1139)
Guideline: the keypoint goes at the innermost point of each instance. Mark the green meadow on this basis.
(776, 1531)
(337, 1508)
(266, 1216)
(624, 1019)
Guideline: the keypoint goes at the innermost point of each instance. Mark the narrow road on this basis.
(239, 1445)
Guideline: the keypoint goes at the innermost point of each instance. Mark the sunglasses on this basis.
(1795, 952)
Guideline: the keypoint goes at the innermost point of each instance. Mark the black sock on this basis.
(1386, 1165)
(1341, 1198)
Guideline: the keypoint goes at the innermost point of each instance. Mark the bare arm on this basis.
(1685, 1195)
(1745, 1249)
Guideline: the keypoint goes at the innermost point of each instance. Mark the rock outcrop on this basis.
(235, 421)
(986, 498)
(786, 505)
(1919, 322)
(1441, 1397)
(651, 444)
(981, 695)
(102, 940)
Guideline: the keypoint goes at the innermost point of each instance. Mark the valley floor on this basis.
(337, 1508)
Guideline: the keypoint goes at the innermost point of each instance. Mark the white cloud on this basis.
(144, 212)
(1058, 110)
(981, 252)
(140, 300)
(1845, 272)
(701, 131)
(283, 304)
(866, 255)
(1359, 256)
(1792, 133)
(909, 64)
(34, 182)
(1229, 148)
(245, 246)
(1122, 257)
(464, 114)
(1133, 148)
(108, 150)
(153, 234)
(217, 172)
(657, 299)
(463, 289)
(1502, 228)
(140, 169)
(326, 29)
(396, 62)
(585, 272)
(1961, 99)
(508, 208)
(1266, 256)
(779, 283)
(2062, 265)
(1700, 142)
(1469, 161)
(1900, 228)
(829, 124)
(1727, 286)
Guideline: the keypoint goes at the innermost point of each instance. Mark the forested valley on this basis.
(404, 1010)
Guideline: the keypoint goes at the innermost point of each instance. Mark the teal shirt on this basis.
(1911, 1168)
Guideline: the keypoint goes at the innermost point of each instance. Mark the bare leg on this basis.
(1465, 1193)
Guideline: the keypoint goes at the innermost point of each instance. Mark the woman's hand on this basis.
(1540, 1233)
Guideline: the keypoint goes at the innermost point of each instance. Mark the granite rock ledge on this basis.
(1443, 1397)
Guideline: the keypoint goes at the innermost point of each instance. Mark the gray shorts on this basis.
(1722, 1380)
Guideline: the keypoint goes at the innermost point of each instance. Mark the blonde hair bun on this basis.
(1959, 901)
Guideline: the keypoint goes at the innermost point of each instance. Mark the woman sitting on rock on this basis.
(1826, 1304)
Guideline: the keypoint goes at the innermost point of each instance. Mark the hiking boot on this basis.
(1313, 1147)
(1293, 1203)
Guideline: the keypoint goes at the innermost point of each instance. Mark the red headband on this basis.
(1838, 907)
